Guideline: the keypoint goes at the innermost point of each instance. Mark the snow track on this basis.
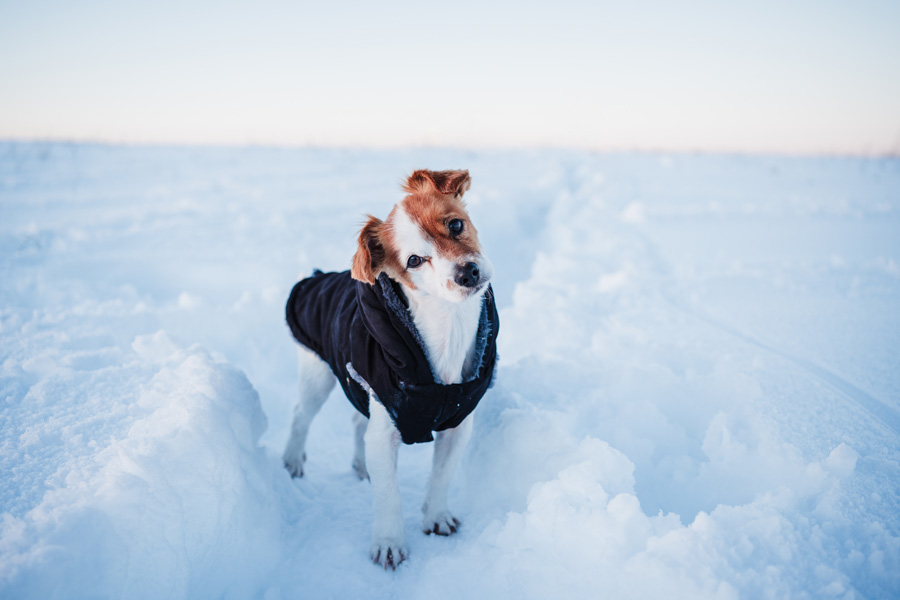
(878, 409)
(698, 393)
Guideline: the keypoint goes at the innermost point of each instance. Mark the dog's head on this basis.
(428, 242)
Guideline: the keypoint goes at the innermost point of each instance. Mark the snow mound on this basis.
(181, 506)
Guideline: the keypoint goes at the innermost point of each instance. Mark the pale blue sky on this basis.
(700, 75)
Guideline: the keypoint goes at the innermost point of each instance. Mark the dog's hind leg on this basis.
(448, 448)
(382, 440)
(316, 382)
(360, 423)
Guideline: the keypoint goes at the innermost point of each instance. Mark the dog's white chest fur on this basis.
(448, 331)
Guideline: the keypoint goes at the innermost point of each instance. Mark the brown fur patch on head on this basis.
(432, 212)
(447, 183)
(370, 253)
(375, 254)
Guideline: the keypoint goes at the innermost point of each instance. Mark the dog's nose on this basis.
(468, 275)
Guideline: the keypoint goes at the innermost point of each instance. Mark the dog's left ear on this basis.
(448, 183)
(370, 254)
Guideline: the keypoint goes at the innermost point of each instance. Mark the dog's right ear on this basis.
(370, 254)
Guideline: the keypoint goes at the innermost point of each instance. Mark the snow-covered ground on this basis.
(699, 390)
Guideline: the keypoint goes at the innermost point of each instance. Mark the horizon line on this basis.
(315, 145)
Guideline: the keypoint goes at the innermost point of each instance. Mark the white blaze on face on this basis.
(436, 273)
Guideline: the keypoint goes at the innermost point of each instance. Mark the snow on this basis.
(698, 394)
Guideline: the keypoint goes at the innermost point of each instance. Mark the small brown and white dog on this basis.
(410, 333)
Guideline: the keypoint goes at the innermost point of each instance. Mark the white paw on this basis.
(442, 523)
(294, 464)
(388, 552)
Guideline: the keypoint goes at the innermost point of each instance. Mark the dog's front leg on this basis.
(382, 440)
(448, 448)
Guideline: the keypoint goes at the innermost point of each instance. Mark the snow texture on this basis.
(698, 394)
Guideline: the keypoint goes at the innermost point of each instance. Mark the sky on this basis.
(802, 77)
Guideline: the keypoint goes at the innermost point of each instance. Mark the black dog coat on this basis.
(367, 336)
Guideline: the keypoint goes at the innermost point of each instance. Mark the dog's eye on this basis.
(413, 262)
(455, 226)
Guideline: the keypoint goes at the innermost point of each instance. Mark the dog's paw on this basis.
(294, 465)
(359, 467)
(442, 523)
(388, 553)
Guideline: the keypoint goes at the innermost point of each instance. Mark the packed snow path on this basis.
(699, 390)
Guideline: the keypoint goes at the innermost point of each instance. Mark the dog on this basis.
(410, 333)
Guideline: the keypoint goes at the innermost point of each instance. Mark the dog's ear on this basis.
(370, 254)
(449, 183)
